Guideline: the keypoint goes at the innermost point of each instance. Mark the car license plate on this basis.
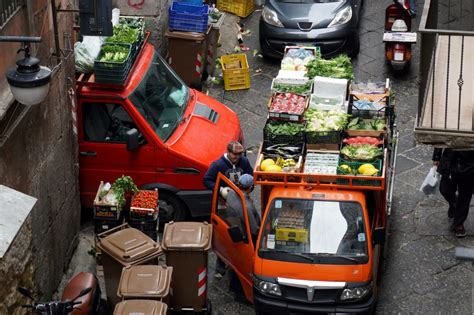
(398, 56)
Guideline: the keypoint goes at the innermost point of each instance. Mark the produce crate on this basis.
(101, 226)
(298, 137)
(322, 162)
(355, 166)
(295, 58)
(326, 102)
(296, 116)
(241, 8)
(114, 66)
(144, 214)
(236, 73)
(104, 210)
(333, 136)
(305, 86)
(291, 234)
(188, 17)
(328, 93)
(294, 176)
(150, 228)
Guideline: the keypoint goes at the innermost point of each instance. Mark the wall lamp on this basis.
(29, 81)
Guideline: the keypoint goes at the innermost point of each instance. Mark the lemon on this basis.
(273, 168)
(346, 168)
(265, 163)
(368, 170)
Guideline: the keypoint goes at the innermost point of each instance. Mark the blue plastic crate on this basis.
(189, 18)
(193, 2)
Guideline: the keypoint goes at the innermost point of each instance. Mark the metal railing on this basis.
(8, 9)
(445, 28)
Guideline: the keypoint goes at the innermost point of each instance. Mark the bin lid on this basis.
(144, 281)
(129, 245)
(142, 307)
(194, 236)
(199, 37)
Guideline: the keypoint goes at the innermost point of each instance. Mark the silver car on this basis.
(331, 25)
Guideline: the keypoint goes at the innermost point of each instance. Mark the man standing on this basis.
(456, 185)
(232, 164)
(235, 209)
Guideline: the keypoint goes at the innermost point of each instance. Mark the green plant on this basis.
(122, 185)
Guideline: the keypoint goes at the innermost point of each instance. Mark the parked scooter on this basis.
(398, 37)
(81, 296)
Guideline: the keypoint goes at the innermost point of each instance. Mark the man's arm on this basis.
(437, 152)
(209, 179)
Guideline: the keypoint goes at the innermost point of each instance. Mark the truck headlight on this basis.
(266, 287)
(342, 17)
(269, 16)
(356, 293)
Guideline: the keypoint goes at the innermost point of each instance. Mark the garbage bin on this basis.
(213, 43)
(187, 54)
(142, 307)
(186, 245)
(121, 247)
(149, 282)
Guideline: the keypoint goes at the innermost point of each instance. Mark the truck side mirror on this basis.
(131, 138)
(235, 234)
(378, 236)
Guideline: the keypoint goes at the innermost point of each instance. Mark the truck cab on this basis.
(155, 129)
(319, 246)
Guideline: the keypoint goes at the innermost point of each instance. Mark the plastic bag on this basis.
(431, 182)
(85, 53)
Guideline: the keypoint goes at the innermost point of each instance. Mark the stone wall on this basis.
(38, 156)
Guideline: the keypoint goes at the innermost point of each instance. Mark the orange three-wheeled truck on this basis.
(321, 241)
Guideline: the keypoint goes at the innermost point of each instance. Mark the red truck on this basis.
(155, 129)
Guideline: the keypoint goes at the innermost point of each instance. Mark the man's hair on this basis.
(233, 145)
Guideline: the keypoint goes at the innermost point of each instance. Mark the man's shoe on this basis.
(459, 231)
(218, 275)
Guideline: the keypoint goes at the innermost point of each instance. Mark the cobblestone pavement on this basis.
(421, 276)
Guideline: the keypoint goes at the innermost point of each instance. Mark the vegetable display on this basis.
(339, 67)
(358, 123)
(361, 152)
(292, 88)
(124, 34)
(114, 53)
(145, 199)
(297, 59)
(122, 185)
(362, 140)
(331, 120)
(288, 103)
(284, 129)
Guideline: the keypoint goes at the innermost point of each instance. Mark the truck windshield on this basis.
(161, 97)
(314, 231)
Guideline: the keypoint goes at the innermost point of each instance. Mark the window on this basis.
(8, 9)
(106, 122)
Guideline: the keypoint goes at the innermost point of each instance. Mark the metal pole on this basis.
(57, 52)
(20, 39)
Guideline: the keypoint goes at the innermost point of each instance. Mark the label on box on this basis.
(271, 241)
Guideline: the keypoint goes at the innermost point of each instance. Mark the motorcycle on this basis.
(397, 36)
(81, 296)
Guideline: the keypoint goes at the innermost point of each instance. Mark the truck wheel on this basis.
(171, 208)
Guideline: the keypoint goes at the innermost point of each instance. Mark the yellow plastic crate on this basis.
(291, 234)
(235, 70)
(241, 8)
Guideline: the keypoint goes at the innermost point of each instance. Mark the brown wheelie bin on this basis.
(150, 282)
(121, 247)
(142, 307)
(186, 245)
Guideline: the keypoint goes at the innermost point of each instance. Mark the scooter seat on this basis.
(78, 283)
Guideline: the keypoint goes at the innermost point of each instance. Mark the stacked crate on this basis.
(144, 212)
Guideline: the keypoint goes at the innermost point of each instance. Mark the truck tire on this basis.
(171, 208)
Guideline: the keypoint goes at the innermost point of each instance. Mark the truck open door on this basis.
(232, 240)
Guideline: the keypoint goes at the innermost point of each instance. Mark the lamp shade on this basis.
(29, 82)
